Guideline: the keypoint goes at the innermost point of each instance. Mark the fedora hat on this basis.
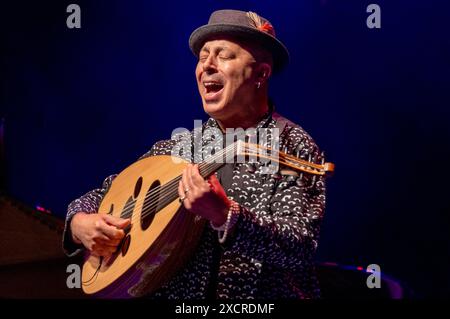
(247, 26)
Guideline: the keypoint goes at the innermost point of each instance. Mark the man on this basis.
(264, 228)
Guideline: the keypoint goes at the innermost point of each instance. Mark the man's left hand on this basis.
(206, 198)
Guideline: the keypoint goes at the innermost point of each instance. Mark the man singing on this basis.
(262, 230)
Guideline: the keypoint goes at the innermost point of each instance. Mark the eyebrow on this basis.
(217, 49)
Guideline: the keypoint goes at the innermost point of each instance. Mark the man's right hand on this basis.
(99, 233)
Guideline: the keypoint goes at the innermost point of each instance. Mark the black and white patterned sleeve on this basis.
(281, 225)
(90, 202)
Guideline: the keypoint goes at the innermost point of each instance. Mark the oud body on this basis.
(159, 240)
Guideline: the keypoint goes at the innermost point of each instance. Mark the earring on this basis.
(258, 85)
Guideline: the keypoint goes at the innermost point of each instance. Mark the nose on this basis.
(209, 64)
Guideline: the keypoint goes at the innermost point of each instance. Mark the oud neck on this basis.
(254, 151)
(219, 159)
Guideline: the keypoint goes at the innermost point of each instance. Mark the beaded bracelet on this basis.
(233, 214)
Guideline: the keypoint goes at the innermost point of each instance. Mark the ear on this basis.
(263, 73)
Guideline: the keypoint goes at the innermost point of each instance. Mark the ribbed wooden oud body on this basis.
(154, 254)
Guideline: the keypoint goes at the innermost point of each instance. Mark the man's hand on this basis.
(99, 233)
(204, 198)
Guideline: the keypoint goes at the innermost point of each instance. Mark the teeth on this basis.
(207, 84)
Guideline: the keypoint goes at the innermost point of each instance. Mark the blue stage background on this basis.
(80, 104)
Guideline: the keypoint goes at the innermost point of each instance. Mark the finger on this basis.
(97, 247)
(110, 231)
(190, 185)
(103, 252)
(108, 250)
(186, 181)
(182, 194)
(116, 221)
(99, 235)
(197, 179)
(108, 242)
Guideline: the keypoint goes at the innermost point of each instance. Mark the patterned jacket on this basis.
(270, 254)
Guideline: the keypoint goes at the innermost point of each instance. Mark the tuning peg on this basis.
(322, 155)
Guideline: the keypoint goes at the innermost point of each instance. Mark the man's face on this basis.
(225, 78)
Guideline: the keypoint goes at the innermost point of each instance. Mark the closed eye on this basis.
(226, 57)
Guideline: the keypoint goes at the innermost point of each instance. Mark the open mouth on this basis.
(213, 90)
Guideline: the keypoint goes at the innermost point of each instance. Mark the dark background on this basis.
(80, 104)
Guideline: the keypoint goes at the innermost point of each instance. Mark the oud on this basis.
(161, 236)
